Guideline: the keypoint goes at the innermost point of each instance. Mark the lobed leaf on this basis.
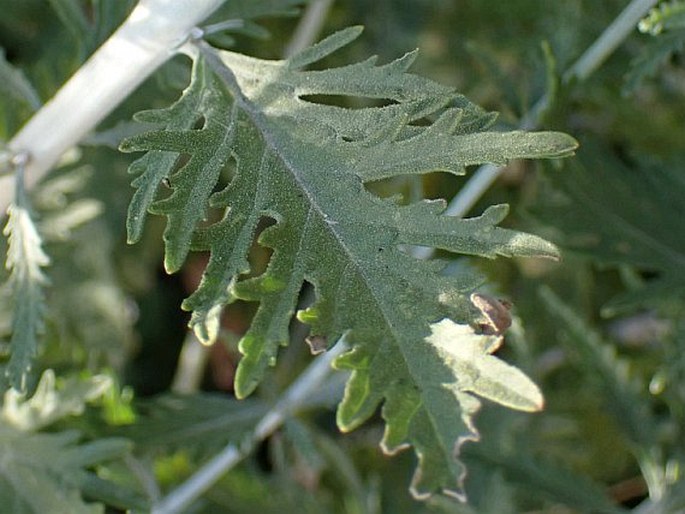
(49, 403)
(642, 231)
(44, 472)
(25, 258)
(303, 165)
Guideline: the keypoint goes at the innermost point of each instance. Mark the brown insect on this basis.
(496, 315)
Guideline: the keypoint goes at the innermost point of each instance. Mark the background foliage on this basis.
(602, 332)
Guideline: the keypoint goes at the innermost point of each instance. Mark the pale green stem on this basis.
(191, 365)
(309, 27)
(146, 40)
(610, 39)
(293, 399)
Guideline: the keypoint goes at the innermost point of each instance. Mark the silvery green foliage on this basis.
(305, 165)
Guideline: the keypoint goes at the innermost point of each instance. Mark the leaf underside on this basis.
(304, 165)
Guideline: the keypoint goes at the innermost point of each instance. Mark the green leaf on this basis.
(642, 230)
(653, 56)
(304, 164)
(74, 19)
(610, 373)
(541, 478)
(154, 167)
(50, 403)
(25, 258)
(667, 15)
(478, 372)
(204, 422)
(258, 8)
(15, 84)
(43, 472)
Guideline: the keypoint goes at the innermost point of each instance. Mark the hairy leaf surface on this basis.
(303, 165)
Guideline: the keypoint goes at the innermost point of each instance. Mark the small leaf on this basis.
(25, 258)
(645, 232)
(667, 15)
(608, 371)
(16, 85)
(480, 373)
(50, 403)
(43, 472)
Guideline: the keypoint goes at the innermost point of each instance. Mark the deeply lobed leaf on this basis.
(25, 258)
(304, 165)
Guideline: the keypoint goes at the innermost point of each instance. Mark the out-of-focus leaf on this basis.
(653, 56)
(201, 422)
(620, 214)
(667, 15)
(543, 479)
(15, 85)
(25, 258)
(51, 402)
(42, 473)
(599, 361)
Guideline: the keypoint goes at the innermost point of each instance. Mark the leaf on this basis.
(25, 258)
(476, 371)
(42, 472)
(666, 21)
(258, 8)
(201, 422)
(74, 19)
(15, 84)
(460, 365)
(599, 360)
(304, 164)
(653, 56)
(667, 15)
(541, 478)
(643, 230)
(50, 403)
(158, 165)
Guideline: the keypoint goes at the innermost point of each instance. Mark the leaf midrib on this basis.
(228, 78)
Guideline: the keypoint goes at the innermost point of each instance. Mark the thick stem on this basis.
(147, 39)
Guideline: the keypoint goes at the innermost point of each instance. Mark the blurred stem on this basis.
(191, 365)
(592, 59)
(310, 26)
(147, 39)
(294, 398)
(145, 475)
(610, 39)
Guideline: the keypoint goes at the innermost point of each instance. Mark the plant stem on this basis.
(309, 27)
(591, 59)
(610, 39)
(146, 40)
(293, 399)
(191, 364)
